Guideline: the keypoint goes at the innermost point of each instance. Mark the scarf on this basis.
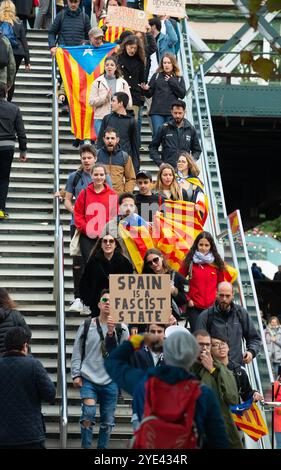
(199, 258)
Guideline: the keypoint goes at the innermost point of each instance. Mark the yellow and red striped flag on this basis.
(79, 66)
(112, 33)
(175, 232)
(234, 223)
(248, 418)
(135, 233)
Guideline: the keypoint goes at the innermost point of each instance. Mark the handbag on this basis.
(74, 247)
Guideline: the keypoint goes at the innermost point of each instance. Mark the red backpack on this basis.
(168, 421)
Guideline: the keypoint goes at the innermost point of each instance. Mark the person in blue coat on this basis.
(180, 351)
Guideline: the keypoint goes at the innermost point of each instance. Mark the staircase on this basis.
(27, 239)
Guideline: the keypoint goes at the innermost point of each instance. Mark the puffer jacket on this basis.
(100, 99)
(73, 29)
(9, 318)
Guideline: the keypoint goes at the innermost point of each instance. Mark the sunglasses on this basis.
(104, 300)
(153, 261)
(108, 240)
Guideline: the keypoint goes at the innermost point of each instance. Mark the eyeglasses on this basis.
(219, 345)
(153, 261)
(108, 240)
(205, 345)
(104, 300)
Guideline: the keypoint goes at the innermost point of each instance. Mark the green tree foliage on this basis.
(273, 227)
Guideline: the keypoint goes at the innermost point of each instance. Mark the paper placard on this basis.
(167, 7)
(140, 298)
(129, 18)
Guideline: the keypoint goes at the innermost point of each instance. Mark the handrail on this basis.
(58, 265)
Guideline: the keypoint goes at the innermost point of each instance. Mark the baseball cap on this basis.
(96, 32)
(144, 174)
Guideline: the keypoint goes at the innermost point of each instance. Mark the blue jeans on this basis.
(157, 122)
(97, 126)
(106, 396)
(278, 440)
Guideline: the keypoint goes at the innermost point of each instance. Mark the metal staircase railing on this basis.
(59, 267)
(259, 370)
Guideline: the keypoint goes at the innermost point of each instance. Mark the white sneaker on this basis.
(76, 306)
(85, 310)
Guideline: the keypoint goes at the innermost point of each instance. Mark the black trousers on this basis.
(6, 158)
(18, 60)
(192, 316)
(77, 267)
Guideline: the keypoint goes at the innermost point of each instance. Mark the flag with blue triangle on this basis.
(79, 67)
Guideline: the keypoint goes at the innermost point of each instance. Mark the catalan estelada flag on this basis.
(135, 233)
(79, 66)
(248, 418)
(174, 232)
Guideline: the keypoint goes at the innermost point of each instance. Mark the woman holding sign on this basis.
(155, 263)
(105, 259)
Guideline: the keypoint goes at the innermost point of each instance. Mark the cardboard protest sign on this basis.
(140, 298)
(167, 7)
(129, 18)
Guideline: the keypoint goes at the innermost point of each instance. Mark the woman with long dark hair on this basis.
(155, 263)
(9, 316)
(203, 267)
(165, 87)
(106, 258)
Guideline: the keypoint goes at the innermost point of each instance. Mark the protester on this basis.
(89, 374)
(273, 341)
(232, 321)
(24, 384)
(9, 316)
(147, 202)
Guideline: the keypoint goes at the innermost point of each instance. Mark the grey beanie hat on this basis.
(180, 349)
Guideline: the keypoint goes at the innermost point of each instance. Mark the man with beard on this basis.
(117, 162)
(175, 136)
(230, 320)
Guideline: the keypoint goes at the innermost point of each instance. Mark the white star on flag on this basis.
(88, 51)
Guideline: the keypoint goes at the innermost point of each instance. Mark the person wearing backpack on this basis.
(25, 11)
(117, 161)
(76, 182)
(178, 412)
(11, 125)
(229, 319)
(95, 340)
(13, 29)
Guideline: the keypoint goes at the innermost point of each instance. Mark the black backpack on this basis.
(4, 54)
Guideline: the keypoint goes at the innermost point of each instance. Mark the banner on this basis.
(167, 7)
(140, 298)
(175, 232)
(249, 419)
(129, 18)
(79, 66)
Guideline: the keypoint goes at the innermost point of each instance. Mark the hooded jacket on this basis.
(93, 210)
(120, 167)
(171, 89)
(100, 99)
(126, 127)
(173, 141)
(9, 318)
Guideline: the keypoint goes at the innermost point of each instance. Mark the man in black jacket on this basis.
(24, 384)
(124, 124)
(11, 124)
(175, 136)
(70, 27)
(230, 320)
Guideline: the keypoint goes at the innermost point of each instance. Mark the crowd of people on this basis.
(100, 195)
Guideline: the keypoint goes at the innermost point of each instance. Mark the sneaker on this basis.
(85, 310)
(4, 215)
(76, 306)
